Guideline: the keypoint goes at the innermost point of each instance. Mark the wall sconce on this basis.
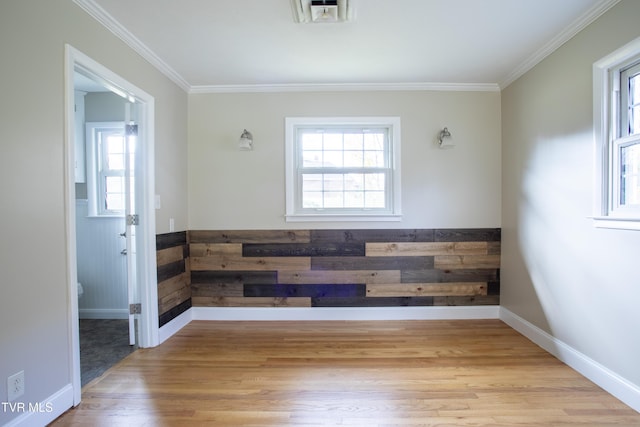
(246, 141)
(444, 139)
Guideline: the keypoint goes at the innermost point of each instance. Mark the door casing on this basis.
(146, 257)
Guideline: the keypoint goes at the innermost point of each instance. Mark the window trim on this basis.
(606, 124)
(292, 214)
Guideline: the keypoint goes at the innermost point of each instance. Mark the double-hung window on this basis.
(106, 161)
(343, 169)
(617, 133)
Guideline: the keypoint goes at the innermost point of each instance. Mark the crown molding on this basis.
(347, 87)
(576, 26)
(109, 22)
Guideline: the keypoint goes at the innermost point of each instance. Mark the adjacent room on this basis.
(334, 212)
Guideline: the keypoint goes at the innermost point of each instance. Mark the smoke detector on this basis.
(322, 11)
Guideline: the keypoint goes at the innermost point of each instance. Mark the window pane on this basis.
(333, 199)
(114, 184)
(630, 175)
(333, 182)
(374, 182)
(374, 199)
(115, 161)
(333, 141)
(332, 159)
(374, 159)
(353, 159)
(353, 141)
(115, 144)
(374, 141)
(311, 159)
(311, 182)
(311, 141)
(114, 202)
(354, 181)
(312, 199)
(354, 199)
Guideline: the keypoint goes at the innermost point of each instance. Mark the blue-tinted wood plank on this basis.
(372, 263)
(303, 249)
(317, 290)
(372, 302)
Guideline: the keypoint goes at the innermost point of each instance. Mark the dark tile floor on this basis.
(103, 343)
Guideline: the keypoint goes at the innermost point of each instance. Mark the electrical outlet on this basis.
(15, 386)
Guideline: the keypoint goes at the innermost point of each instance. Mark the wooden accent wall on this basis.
(345, 268)
(174, 277)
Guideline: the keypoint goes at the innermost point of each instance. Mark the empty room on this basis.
(301, 212)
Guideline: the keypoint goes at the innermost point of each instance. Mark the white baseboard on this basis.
(103, 313)
(613, 383)
(170, 328)
(344, 313)
(42, 413)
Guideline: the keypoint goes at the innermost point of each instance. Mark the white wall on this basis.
(576, 282)
(231, 189)
(34, 302)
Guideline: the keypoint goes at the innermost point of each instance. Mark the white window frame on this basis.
(294, 212)
(609, 138)
(95, 191)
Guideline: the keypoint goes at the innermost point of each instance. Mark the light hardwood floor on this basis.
(397, 373)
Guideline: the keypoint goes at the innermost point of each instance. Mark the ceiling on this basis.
(244, 45)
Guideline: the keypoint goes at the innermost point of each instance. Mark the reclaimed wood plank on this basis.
(373, 235)
(372, 263)
(303, 249)
(249, 236)
(339, 277)
(305, 290)
(219, 262)
(250, 302)
(426, 289)
(211, 249)
(172, 284)
(467, 300)
(217, 290)
(455, 275)
(372, 302)
(172, 254)
(233, 277)
(170, 270)
(426, 248)
(173, 299)
(468, 235)
(168, 240)
(467, 261)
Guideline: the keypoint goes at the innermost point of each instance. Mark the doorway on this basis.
(119, 199)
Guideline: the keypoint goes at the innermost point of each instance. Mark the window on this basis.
(107, 157)
(343, 169)
(617, 134)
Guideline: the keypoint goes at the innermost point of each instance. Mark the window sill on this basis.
(341, 217)
(616, 223)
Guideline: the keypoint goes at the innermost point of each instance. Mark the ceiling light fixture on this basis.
(322, 11)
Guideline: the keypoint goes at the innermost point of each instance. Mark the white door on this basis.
(131, 217)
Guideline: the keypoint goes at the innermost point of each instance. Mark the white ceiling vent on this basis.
(322, 10)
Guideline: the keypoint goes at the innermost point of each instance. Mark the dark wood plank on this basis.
(170, 270)
(174, 312)
(435, 275)
(467, 300)
(371, 263)
(372, 302)
(248, 236)
(217, 290)
(168, 240)
(210, 276)
(467, 235)
(373, 235)
(302, 249)
(316, 290)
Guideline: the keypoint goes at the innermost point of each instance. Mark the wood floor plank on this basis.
(397, 373)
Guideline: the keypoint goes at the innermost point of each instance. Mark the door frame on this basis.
(146, 256)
